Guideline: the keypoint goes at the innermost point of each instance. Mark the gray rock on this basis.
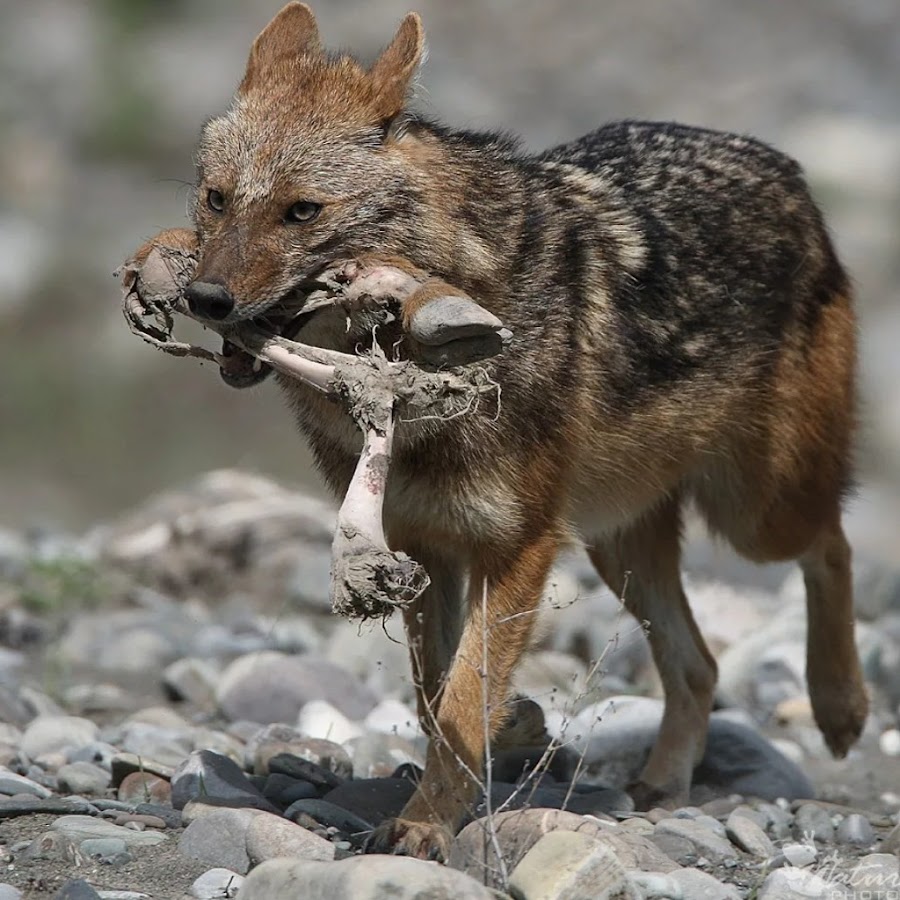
(216, 779)
(329, 815)
(123, 764)
(878, 873)
(76, 889)
(856, 831)
(51, 845)
(371, 799)
(8, 892)
(99, 753)
(168, 746)
(778, 821)
(191, 680)
(518, 831)
(270, 837)
(272, 687)
(748, 836)
(47, 734)
(813, 822)
(656, 885)
(217, 884)
(82, 778)
(13, 807)
(274, 740)
(362, 878)
(11, 783)
(613, 740)
(567, 865)
(697, 885)
(792, 883)
(82, 828)
(105, 849)
(282, 790)
(797, 855)
(319, 777)
(683, 837)
(378, 755)
(220, 839)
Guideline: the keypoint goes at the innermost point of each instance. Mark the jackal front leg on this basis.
(503, 597)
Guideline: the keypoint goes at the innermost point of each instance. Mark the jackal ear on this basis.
(292, 33)
(392, 73)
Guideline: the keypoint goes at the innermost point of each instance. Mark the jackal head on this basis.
(301, 169)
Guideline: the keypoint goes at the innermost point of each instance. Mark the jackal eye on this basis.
(215, 200)
(304, 211)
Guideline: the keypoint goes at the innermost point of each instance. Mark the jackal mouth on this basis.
(242, 369)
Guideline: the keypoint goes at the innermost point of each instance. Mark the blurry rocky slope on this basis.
(100, 103)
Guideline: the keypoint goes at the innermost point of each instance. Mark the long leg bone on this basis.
(368, 578)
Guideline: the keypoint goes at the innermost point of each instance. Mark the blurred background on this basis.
(101, 102)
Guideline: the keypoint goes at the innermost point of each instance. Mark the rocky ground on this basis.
(182, 717)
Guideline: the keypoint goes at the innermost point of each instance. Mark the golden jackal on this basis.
(683, 331)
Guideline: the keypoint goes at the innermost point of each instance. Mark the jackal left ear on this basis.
(393, 71)
(292, 33)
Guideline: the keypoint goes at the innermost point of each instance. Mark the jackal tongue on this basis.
(239, 368)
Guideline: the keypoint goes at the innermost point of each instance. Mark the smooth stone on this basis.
(165, 745)
(11, 784)
(792, 883)
(378, 755)
(282, 790)
(328, 815)
(76, 889)
(320, 719)
(567, 865)
(219, 839)
(656, 885)
(856, 831)
(681, 837)
(82, 778)
(10, 809)
(517, 831)
(103, 848)
(811, 821)
(393, 717)
(373, 877)
(321, 752)
(878, 873)
(142, 787)
(213, 778)
(273, 687)
(81, 828)
(191, 680)
(8, 892)
(748, 836)
(319, 777)
(698, 885)
(47, 734)
(98, 752)
(371, 799)
(799, 854)
(217, 884)
(50, 845)
(123, 764)
(270, 837)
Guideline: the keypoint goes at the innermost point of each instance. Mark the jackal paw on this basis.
(841, 716)
(648, 796)
(402, 837)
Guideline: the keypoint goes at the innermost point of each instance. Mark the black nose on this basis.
(209, 300)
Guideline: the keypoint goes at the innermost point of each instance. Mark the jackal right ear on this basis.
(292, 33)
(392, 73)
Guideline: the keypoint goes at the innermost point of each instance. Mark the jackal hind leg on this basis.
(641, 565)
